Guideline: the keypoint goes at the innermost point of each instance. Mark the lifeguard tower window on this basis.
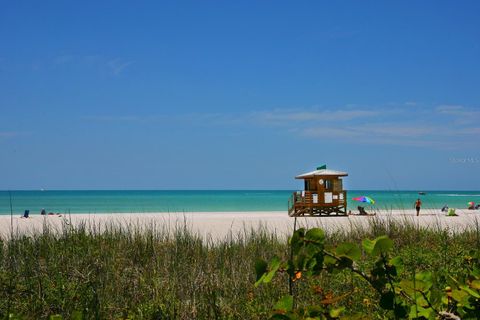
(328, 184)
(337, 185)
(309, 185)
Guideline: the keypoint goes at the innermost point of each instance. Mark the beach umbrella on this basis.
(364, 199)
(471, 204)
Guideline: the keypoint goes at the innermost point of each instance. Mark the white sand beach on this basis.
(219, 225)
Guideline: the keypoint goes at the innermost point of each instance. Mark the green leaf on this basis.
(335, 313)
(400, 311)
(264, 272)
(387, 300)
(424, 276)
(329, 261)
(476, 272)
(285, 304)
(55, 317)
(397, 262)
(330, 264)
(314, 311)
(310, 265)
(297, 236)
(273, 267)
(300, 261)
(475, 284)
(297, 240)
(77, 315)
(315, 235)
(413, 312)
(344, 262)
(382, 245)
(349, 250)
(421, 301)
(418, 312)
(459, 295)
(368, 245)
(424, 281)
(312, 248)
(422, 286)
(407, 287)
(470, 292)
(260, 268)
(317, 267)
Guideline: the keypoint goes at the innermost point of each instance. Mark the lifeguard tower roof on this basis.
(322, 172)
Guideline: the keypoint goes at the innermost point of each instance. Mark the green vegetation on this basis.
(127, 272)
(419, 295)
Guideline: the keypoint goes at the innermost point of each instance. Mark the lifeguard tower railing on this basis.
(310, 203)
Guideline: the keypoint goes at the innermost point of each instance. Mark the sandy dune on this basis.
(219, 225)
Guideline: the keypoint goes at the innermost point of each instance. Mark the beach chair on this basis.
(26, 214)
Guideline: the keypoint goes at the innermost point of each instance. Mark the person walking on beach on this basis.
(418, 204)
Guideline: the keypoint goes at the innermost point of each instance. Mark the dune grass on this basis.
(120, 272)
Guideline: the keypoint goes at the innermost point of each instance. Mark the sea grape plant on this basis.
(401, 297)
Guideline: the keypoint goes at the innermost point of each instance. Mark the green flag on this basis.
(322, 167)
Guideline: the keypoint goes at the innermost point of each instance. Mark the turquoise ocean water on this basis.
(204, 201)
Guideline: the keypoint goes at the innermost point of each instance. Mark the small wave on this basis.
(257, 193)
(458, 195)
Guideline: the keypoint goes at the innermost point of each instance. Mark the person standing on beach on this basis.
(418, 204)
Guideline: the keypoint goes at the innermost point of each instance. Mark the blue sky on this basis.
(239, 94)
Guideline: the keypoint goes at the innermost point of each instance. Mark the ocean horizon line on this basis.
(215, 190)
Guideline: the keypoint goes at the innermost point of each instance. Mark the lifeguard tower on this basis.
(323, 194)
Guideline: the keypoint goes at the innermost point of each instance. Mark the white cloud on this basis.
(459, 111)
(370, 130)
(8, 134)
(109, 118)
(451, 109)
(296, 116)
(387, 125)
(63, 59)
(118, 65)
(420, 126)
(330, 132)
(115, 65)
(473, 131)
(396, 130)
(395, 135)
(460, 114)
